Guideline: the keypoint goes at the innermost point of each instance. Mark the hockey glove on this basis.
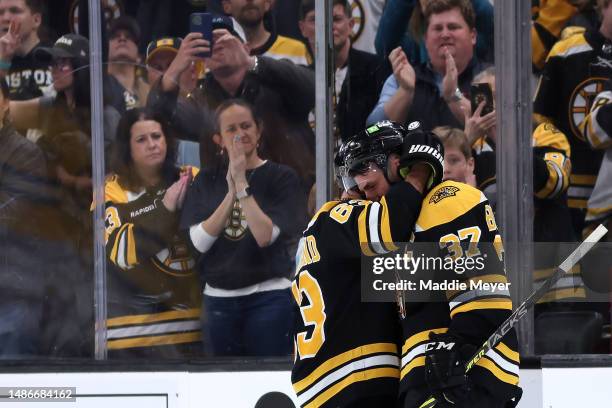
(445, 375)
(422, 147)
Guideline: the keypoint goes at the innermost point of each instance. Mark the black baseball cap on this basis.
(67, 46)
(163, 44)
(126, 23)
(228, 23)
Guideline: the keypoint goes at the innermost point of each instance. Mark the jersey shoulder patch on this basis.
(575, 44)
(547, 135)
(446, 202)
(113, 192)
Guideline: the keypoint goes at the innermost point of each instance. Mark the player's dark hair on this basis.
(306, 7)
(122, 163)
(345, 4)
(35, 6)
(225, 105)
(211, 155)
(440, 6)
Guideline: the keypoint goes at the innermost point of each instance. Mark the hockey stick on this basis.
(520, 311)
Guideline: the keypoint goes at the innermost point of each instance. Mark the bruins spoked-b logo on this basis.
(358, 14)
(581, 101)
(442, 193)
(236, 225)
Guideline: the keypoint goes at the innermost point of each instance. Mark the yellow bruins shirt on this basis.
(346, 349)
(458, 219)
(575, 73)
(549, 18)
(281, 47)
(154, 295)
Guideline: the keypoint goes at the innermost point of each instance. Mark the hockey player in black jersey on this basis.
(346, 351)
(438, 336)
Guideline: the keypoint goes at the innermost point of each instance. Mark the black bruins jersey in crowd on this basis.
(575, 72)
(551, 175)
(154, 296)
(347, 350)
(456, 218)
(552, 219)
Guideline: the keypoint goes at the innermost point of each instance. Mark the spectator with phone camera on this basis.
(281, 92)
(433, 93)
(159, 55)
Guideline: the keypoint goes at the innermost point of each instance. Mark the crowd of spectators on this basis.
(210, 160)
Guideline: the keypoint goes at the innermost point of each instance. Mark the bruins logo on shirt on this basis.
(581, 102)
(176, 259)
(442, 193)
(236, 225)
(358, 14)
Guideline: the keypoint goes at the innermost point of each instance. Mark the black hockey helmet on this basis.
(372, 145)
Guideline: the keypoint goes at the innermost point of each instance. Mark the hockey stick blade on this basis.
(520, 311)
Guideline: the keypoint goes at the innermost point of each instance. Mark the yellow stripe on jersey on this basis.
(352, 379)
(491, 303)
(547, 135)
(567, 293)
(446, 202)
(341, 359)
(324, 208)
(154, 340)
(288, 48)
(385, 226)
(113, 192)
(115, 250)
(545, 273)
(552, 183)
(490, 365)
(362, 227)
(576, 203)
(508, 352)
(154, 317)
(572, 45)
(583, 179)
(417, 362)
(131, 246)
(420, 337)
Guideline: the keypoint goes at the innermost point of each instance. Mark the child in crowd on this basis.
(458, 160)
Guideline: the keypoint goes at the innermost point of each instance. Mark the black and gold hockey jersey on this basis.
(458, 219)
(575, 72)
(552, 218)
(346, 350)
(153, 291)
(549, 18)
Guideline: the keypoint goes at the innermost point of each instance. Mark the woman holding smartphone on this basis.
(243, 214)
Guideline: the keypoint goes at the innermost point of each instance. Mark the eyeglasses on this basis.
(64, 64)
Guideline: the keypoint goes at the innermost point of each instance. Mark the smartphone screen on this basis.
(202, 23)
(481, 92)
